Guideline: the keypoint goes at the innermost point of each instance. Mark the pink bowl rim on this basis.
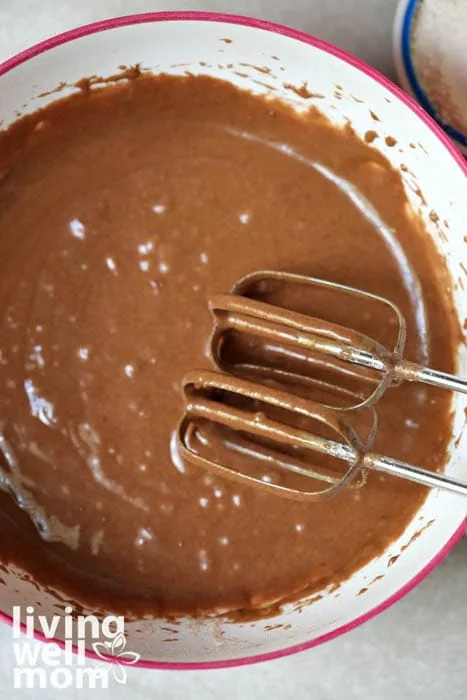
(193, 16)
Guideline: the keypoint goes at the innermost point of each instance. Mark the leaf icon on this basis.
(119, 674)
(118, 645)
(101, 649)
(115, 653)
(129, 658)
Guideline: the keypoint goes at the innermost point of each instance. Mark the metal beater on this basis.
(239, 396)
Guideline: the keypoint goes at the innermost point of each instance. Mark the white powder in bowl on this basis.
(439, 54)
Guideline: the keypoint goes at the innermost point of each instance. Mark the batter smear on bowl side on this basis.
(121, 210)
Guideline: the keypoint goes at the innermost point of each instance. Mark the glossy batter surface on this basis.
(121, 210)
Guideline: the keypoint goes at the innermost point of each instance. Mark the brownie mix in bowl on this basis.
(121, 210)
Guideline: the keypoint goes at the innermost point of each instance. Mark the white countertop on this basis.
(416, 649)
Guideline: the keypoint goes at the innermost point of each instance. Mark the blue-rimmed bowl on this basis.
(404, 25)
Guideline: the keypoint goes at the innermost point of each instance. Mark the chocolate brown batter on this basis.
(121, 210)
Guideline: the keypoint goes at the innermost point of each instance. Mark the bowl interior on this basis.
(265, 59)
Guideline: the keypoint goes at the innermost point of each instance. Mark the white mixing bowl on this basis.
(176, 42)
